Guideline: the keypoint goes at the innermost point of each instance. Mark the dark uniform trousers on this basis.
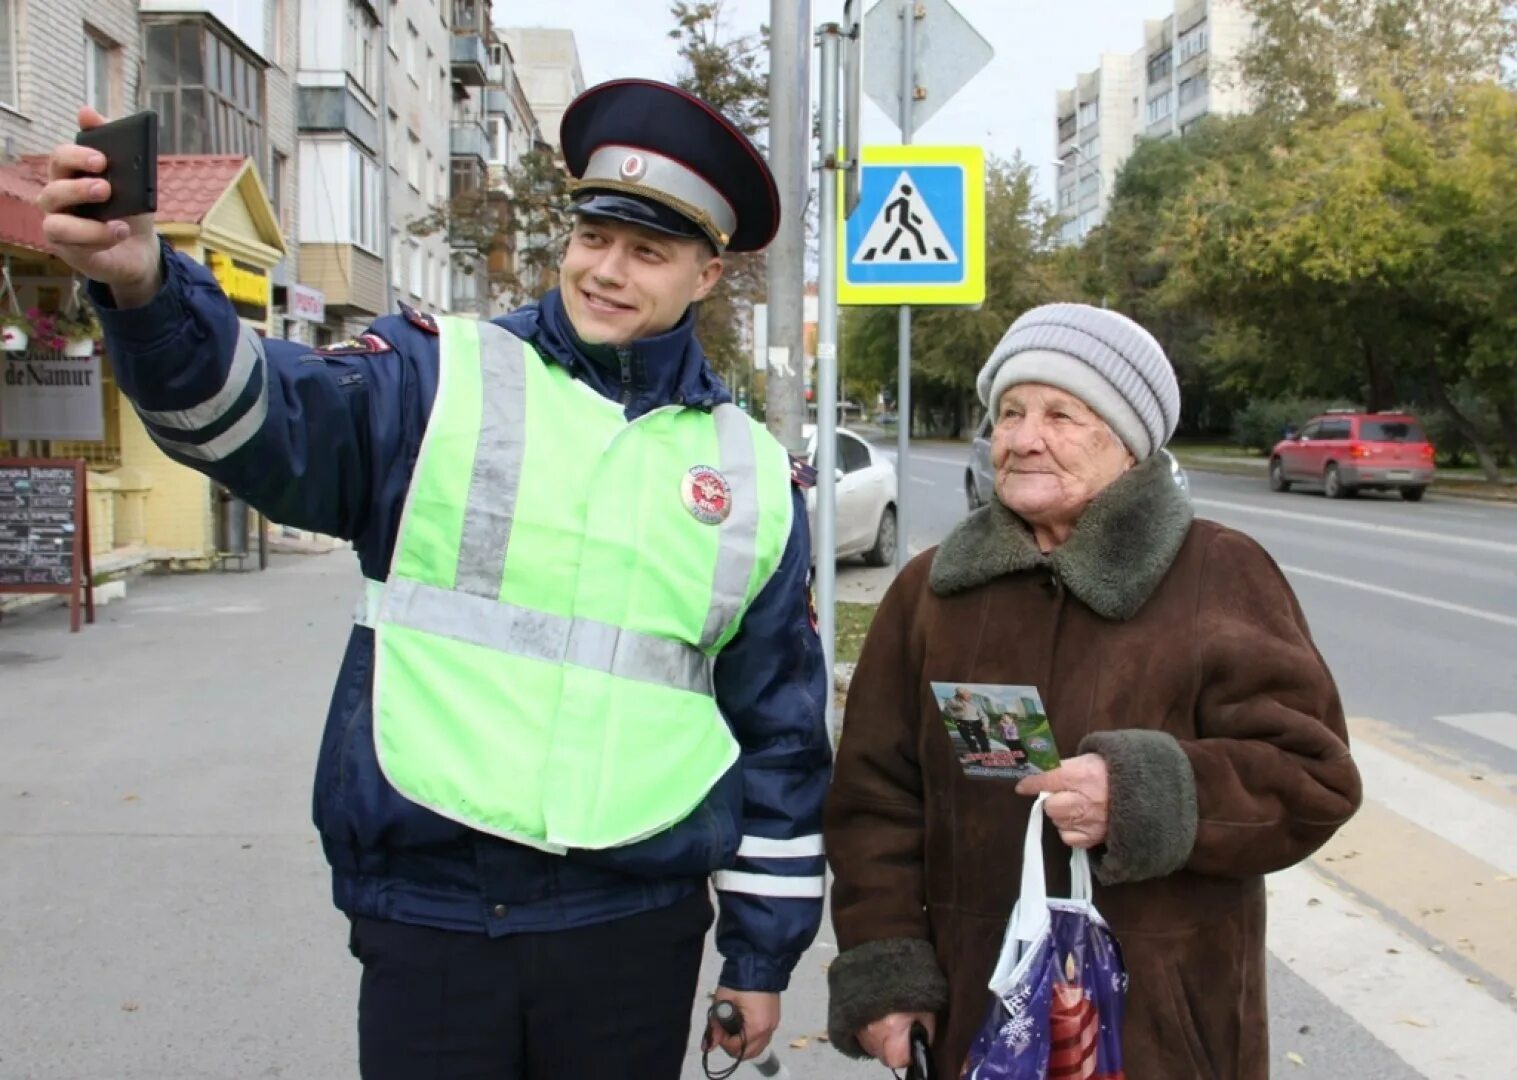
(609, 1001)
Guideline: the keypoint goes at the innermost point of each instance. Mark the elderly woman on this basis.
(1202, 738)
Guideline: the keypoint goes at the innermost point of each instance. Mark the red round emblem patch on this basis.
(706, 494)
(633, 167)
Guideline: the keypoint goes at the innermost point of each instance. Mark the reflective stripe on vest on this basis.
(545, 641)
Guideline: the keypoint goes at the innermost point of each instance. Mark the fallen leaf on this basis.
(1436, 948)
(1476, 776)
(246, 846)
(1412, 1021)
(1473, 980)
(130, 798)
(1295, 1059)
(1304, 1029)
(1394, 952)
(823, 1037)
(1314, 902)
(799, 1043)
(129, 1006)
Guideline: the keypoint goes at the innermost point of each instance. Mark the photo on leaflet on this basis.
(998, 732)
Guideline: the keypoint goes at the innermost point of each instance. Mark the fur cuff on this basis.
(1152, 820)
(876, 979)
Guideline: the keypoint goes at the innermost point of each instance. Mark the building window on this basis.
(413, 45)
(413, 160)
(10, 87)
(466, 176)
(362, 60)
(418, 270)
(499, 129)
(397, 149)
(1091, 185)
(1090, 111)
(278, 178)
(466, 16)
(207, 91)
(1090, 149)
(428, 176)
(431, 86)
(99, 62)
(1193, 42)
(1066, 196)
(365, 225)
(397, 259)
(1160, 107)
(1160, 66)
(1066, 127)
(1192, 88)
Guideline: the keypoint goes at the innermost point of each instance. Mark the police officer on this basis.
(583, 680)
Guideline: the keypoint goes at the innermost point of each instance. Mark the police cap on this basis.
(653, 155)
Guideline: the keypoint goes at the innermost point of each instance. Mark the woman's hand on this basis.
(1078, 801)
(888, 1039)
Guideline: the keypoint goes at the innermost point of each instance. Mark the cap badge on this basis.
(634, 167)
(707, 495)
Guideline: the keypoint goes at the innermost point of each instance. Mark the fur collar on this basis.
(1119, 551)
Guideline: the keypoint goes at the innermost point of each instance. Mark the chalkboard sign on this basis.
(44, 531)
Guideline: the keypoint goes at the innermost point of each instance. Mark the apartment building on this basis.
(1180, 74)
(547, 63)
(1097, 126)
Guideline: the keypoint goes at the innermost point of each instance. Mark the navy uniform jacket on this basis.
(327, 442)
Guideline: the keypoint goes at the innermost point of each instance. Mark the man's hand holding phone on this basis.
(121, 253)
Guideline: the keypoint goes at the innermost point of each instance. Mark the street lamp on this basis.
(1086, 158)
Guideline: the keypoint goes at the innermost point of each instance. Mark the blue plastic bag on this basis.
(1059, 989)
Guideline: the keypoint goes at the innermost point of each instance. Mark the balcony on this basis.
(469, 140)
(497, 102)
(1066, 127)
(498, 180)
(337, 108)
(470, 59)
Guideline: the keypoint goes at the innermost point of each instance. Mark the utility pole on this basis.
(903, 347)
(790, 160)
(829, 38)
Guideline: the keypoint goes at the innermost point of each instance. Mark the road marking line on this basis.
(925, 483)
(1498, 727)
(1414, 598)
(1363, 526)
(1444, 809)
(1419, 1007)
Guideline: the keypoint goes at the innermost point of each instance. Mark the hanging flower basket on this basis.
(71, 333)
(13, 335)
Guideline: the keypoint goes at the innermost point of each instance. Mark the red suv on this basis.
(1347, 452)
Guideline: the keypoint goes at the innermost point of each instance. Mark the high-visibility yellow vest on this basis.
(561, 584)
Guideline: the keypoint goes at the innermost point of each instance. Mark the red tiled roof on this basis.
(189, 185)
(20, 221)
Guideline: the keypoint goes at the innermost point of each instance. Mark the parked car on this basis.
(1349, 452)
(980, 475)
(866, 499)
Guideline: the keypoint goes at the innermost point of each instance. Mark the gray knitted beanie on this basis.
(1105, 359)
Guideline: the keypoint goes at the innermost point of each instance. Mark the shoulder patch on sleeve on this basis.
(802, 475)
(358, 346)
(423, 319)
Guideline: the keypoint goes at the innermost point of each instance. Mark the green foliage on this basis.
(1260, 424)
(729, 71)
(1355, 239)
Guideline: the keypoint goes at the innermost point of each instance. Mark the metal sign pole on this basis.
(903, 354)
(830, 39)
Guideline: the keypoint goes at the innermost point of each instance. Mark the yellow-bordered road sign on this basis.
(918, 234)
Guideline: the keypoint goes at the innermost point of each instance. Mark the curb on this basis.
(1459, 489)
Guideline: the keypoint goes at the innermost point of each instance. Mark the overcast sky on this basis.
(1040, 45)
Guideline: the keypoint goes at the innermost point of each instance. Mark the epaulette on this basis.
(358, 346)
(802, 475)
(423, 319)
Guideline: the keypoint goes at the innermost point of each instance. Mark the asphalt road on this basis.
(165, 913)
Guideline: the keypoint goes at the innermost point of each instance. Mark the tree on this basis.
(728, 71)
(527, 218)
(1309, 56)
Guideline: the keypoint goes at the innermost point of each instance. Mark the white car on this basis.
(866, 496)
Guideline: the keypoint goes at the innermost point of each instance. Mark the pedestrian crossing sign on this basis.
(918, 234)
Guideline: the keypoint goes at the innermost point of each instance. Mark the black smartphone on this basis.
(130, 146)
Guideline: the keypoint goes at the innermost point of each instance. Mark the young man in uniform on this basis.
(584, 679)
